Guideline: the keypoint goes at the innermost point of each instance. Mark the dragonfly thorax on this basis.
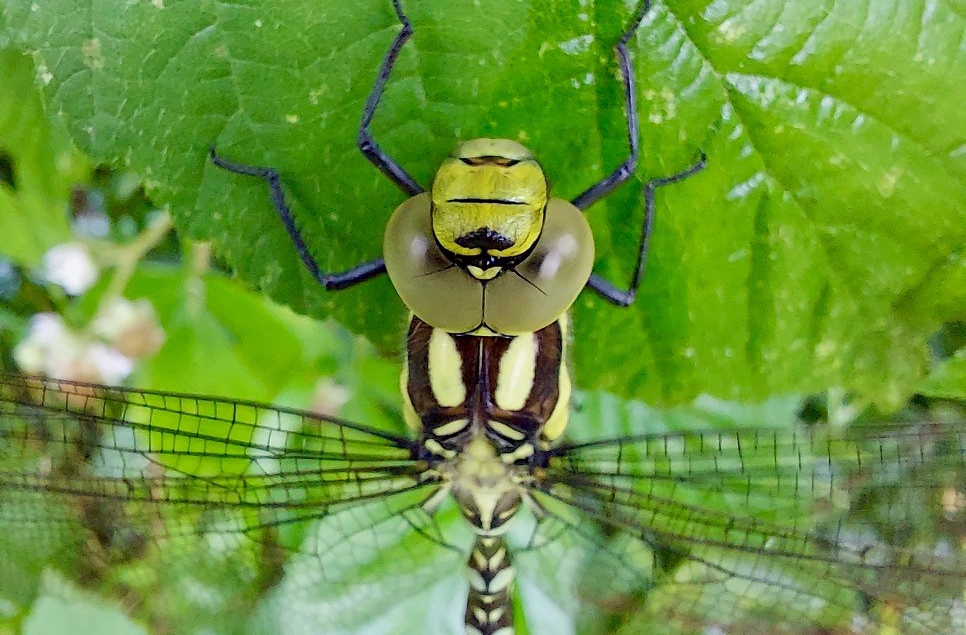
(514, 391)
(487, 490)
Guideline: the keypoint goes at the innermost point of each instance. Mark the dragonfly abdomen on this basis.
(491, 573)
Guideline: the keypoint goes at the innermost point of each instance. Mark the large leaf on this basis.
(822, 245)
(38, 166)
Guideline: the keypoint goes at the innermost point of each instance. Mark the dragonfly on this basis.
(485, 502)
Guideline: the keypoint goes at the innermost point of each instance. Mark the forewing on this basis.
(272, 513)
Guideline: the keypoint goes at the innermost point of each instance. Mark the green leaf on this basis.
(41, 165)
(225, 341)
(67, 609)
(948, 380)
(601, 415)
(809, 252)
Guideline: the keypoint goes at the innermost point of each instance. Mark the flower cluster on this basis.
(106, 350)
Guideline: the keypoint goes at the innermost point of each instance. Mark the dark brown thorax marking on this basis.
(479, 367)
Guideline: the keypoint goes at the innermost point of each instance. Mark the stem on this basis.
(199, 261)
(125, 258)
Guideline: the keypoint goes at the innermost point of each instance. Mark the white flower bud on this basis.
(30, 357)
(130, 327)
(46, 333)
(112, 367)
(329, 397)
(70, 266)
(48, 329)
(53, 350)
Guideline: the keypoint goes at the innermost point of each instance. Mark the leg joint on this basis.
(364, 141)
(628, 167)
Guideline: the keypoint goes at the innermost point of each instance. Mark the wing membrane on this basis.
(96, 478)
(765, 531)
(779, 522)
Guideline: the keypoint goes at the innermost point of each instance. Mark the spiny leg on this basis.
(609, 291)
(626, 169)
(331, 281)
(625, 297)
(366, 143)
(371, 268)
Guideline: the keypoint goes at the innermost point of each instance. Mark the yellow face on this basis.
(488, 204)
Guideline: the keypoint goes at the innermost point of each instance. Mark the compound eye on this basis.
(543, 286)
(525, 299)
(436, 290)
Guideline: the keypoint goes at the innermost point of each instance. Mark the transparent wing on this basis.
(227, 517)
(761, 531)
(236, 513)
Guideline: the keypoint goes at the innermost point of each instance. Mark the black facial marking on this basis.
(503, 162)
(485, 239)
(492, 201)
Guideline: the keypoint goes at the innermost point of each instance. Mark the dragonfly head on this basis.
(487, 251)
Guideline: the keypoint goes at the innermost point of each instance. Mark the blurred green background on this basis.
(821, 252)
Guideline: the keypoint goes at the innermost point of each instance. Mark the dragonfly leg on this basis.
(331, 281)
(366, 143)
(626, 169)
(434, 500)
(625, 297)
(623, 172)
